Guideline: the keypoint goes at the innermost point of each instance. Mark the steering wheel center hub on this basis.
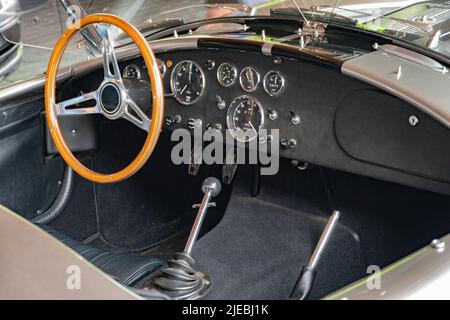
(110, 98)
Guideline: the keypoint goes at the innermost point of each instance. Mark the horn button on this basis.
(110, 98)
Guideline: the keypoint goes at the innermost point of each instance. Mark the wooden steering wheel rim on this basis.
(157, 92)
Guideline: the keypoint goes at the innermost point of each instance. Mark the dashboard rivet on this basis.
(74, 131)
(413, 120)
(277, 60)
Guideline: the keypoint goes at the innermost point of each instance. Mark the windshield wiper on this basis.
(153, 24)
(314, 14)
(227, 6)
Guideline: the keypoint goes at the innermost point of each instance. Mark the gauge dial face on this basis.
(245, 118)
(227, 74)
(273, 83)
(132, 71)
(187, 82)
(249, 79)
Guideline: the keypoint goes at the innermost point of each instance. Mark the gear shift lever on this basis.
(180, 280)
(211, 188)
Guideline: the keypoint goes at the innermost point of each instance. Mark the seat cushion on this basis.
(125, 268)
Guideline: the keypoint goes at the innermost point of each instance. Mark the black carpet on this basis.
(258, 249)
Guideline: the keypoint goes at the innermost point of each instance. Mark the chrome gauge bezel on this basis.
(230, 118)
(173, 85)
(162, 67)
(136, 68)
(219, 78)
(266, 79)
(258, 79)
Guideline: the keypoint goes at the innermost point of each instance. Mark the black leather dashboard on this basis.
(344, 123)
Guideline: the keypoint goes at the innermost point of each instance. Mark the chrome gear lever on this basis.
(180, 280)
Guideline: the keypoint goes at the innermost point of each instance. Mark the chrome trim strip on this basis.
(419, 85)
(35, 84)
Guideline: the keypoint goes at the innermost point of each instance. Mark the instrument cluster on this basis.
(187, 80)
(245, 114)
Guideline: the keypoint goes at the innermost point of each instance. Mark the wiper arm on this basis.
(232, 7)
(314, 13)
(151, 24)
(162, 23)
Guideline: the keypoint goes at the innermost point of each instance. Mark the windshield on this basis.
(29, 29)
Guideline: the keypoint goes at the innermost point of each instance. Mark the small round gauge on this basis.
(249, 79)
(245, 118)
(162, 67)
(187, 82)
(226, 74)
(273, 83)
(132, 71)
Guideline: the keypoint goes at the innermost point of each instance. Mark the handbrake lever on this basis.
(307, 276)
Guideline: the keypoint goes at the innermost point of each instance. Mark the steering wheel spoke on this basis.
(68, 107)
(109, 55)
(139, 118)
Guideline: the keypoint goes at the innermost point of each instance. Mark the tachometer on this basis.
(226, 74)
(187, 82)
(245, 118)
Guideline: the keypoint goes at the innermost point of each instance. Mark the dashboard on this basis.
(242, 94)
(323, 116)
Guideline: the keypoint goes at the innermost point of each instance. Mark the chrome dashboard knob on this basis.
(194, 123)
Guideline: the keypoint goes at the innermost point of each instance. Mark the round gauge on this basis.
(162, 67)
(249, 79)
(273, 83)
(245, 118)
(132, 71)
(226, 74)
(187, 82)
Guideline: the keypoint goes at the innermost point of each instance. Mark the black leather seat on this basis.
(125, 268)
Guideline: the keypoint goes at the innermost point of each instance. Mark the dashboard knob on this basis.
(295, 118)
(273, 114)
(171, 120)
(194, 123)
(221, 104)
(288, 144)
(210, 64)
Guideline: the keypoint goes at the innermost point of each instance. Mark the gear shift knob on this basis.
(211, 185)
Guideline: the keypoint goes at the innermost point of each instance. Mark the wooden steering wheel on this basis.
(112, 100)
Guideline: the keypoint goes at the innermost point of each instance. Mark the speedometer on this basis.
(187, 82)
(245, 118)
